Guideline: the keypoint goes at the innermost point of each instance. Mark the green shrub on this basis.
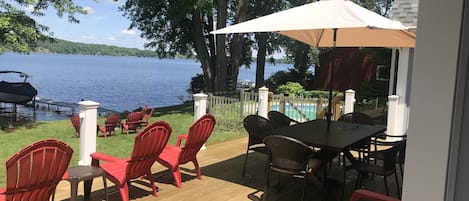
(291, 88)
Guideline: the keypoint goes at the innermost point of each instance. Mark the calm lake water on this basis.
(117, 83)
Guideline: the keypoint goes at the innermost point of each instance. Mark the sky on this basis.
(103, 24)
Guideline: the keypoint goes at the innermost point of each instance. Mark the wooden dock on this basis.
(62, 106)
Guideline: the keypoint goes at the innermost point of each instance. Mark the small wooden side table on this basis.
(84, 173)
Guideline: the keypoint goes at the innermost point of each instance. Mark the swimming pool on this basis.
(309, 110)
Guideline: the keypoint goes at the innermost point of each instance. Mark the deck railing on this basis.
(230, 108)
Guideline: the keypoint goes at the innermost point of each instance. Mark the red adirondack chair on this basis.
(34, 172)
(148, 145)
(173, 156)
(75, 119)
(133, 121)
(146, 117)
(363, 195)
(112, 121)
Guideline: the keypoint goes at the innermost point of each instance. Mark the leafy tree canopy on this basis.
(19, 32)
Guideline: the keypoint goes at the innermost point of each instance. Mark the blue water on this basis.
(308, 110)
(117, 83)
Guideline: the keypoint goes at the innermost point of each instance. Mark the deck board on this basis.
(221, 165)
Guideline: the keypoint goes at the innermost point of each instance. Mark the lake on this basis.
(117, 83)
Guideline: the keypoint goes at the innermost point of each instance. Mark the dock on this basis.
(62, 106)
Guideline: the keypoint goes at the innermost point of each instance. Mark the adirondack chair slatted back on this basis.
(133, 120)
(198, 135)
(112, 121)
(148, 145)
(34, 172)
(75, 119)
(148, 116)
(143, 112)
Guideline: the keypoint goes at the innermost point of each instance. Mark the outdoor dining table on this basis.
(338, 137)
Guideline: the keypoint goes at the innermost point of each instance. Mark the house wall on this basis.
(432, 100)
(351, 71)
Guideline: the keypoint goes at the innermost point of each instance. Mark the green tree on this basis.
(382, 7)
(266, 43)
(301, 55)
(19, 32)
(183, 27)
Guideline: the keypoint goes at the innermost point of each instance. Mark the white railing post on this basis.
(200, 105)
(349, 101)
(88, 115)
(263, 101)
(395, 123)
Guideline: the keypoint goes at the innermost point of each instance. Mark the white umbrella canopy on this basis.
(314, 25)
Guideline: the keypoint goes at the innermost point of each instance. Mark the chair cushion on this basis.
(170, 155)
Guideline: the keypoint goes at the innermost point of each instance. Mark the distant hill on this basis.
(68, 47)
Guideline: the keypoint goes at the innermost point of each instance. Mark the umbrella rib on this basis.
(320, 37)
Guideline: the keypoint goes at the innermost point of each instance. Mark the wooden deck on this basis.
(221, 169)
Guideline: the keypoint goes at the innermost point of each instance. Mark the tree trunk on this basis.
(220, 79)
(237, 45)
(261, 53)
(301, 62)
(202, 51)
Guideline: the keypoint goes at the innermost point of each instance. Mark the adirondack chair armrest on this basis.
(365, 194)
(97, 156)
(101, 127)
(2, 191)
(180, 139)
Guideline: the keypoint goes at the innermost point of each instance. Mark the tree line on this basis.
(68, 47)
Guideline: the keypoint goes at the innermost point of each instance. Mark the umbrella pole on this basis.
(331, 80)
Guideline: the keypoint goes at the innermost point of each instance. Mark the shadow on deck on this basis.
(221, 169)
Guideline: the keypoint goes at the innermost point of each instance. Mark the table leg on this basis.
(73, 190)
(87, 188)
(105, 189)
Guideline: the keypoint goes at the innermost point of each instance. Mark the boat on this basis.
(17, 92)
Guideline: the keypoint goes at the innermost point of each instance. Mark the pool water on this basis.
(296, 112)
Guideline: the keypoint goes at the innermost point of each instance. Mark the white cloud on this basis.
(128, 32)
(111, 38)
(89, 10)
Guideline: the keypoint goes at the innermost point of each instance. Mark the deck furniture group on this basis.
(299, 149)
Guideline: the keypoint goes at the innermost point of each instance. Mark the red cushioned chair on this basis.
(112, 121)
(173, 156)
(75, 119)
(365, 195)
(34, 172)
(148, 145)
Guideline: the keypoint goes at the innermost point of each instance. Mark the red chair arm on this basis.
(102, 128)
(104, 157)
(2, 191)
(372, 196)
(180, 138)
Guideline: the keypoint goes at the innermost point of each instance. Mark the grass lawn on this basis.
(179, 117)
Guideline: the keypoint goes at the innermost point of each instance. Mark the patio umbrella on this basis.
(333, 23)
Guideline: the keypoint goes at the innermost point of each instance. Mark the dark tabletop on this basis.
(339, 136)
